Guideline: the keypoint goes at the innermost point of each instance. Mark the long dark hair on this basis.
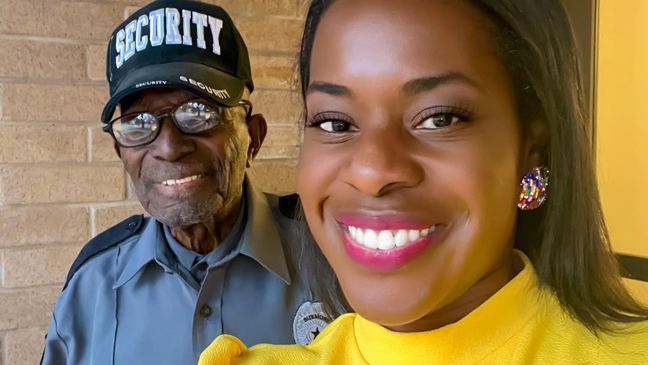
(567, 239)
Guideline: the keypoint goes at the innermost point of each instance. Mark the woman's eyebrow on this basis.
(428, 83)
(328, 88)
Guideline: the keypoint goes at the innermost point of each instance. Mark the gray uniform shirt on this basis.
(137, 303)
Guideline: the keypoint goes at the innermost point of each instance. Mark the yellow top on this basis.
(520, 324)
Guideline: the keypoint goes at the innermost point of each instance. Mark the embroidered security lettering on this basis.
(169, 26)
(150, 83)
(219, 93)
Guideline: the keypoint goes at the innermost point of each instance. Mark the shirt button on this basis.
(206, 311)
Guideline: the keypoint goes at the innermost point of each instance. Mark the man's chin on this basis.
(184, 214)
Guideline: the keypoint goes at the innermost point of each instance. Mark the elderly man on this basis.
(216, 255)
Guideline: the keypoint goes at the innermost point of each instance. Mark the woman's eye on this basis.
(335, 126)
(440, 120)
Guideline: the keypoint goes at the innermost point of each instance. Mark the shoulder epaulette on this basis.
(288, 205)
(105, 240)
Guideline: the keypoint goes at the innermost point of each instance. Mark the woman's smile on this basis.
(386, 242)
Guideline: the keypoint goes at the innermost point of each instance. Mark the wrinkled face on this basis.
(412, 155)
(185, 179)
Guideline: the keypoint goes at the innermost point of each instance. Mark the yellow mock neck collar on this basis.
(480, 332)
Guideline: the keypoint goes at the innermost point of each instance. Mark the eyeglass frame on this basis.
(161, 116)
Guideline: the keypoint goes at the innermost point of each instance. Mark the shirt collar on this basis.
(185, 256)
(511, 308)
(132, 258)
(261, 240)
(188, 258)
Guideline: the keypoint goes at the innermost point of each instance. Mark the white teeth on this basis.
(387, 239)
(371, 239)
(185, 180)
(360, 236)
(401, 238)
(413, 235)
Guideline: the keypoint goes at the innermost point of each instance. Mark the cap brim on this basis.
(207, 82)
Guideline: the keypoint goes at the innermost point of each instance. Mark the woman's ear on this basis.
(534, 146)
(257, 129)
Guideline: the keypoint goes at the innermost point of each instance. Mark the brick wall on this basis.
(60, 181)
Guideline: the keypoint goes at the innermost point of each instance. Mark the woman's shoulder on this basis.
(343, 325)
(228, 349)
(222, 350)
(623, 343)
(631, 338)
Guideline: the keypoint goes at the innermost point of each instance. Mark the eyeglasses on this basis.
(193, 117)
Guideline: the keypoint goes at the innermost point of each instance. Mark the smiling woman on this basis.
(446, 175)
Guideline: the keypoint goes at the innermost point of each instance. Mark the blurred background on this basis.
(613, 40)
(61, 182)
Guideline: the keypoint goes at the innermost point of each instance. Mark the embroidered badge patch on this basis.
(309, 321)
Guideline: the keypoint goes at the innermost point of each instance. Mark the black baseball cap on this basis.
(180, 44)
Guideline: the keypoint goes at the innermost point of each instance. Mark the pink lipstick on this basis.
(386, 243)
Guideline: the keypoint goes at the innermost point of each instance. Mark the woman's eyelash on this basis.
(320, 118)
(464, 113)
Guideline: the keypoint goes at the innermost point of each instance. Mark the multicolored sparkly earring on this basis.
(534, 188)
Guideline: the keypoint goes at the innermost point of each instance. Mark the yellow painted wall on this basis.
(639, 289)
(622, 121)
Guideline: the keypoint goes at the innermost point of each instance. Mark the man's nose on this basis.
(171, 144)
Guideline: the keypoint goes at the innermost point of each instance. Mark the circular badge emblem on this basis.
(309, 321)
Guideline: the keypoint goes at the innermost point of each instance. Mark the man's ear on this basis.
(534, 146)
(117, 150)
(257, 129)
